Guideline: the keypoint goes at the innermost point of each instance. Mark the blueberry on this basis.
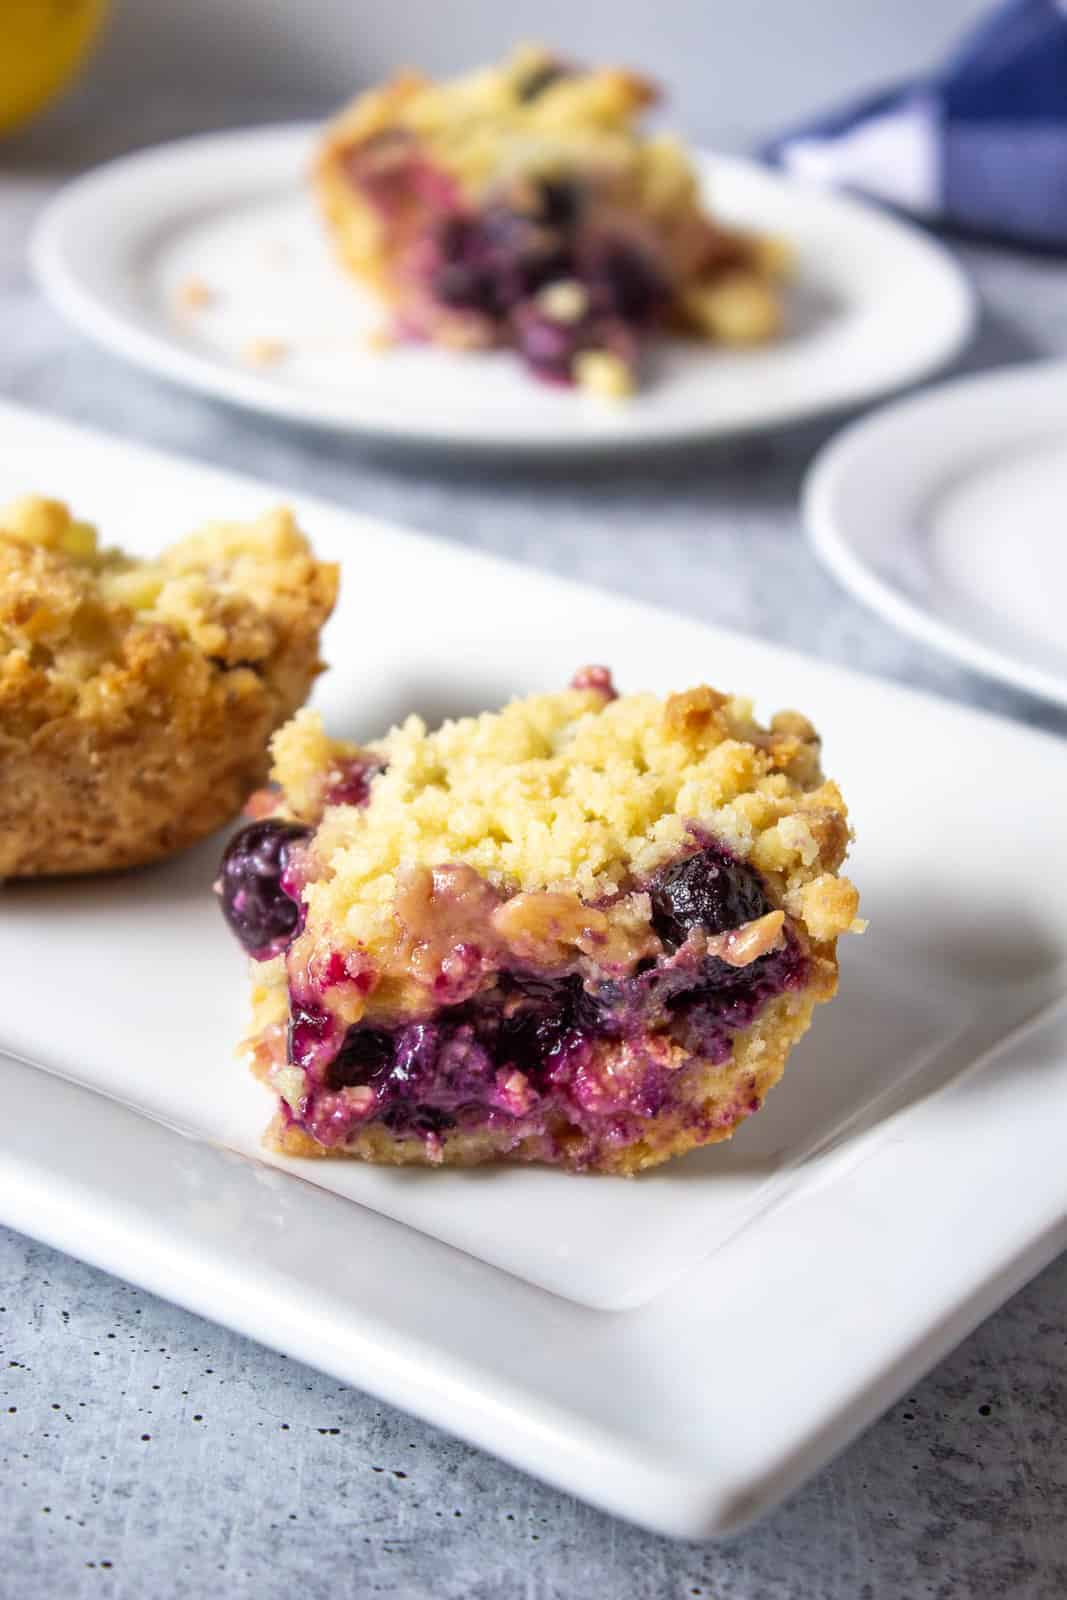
(549, 347)
(464, 287)
(249, 885)
(350, 783)
(709, 890)
(545, 262)
(540, 79)
(490, 262)
(489, 282)
(624, 282)
(504, 227)
(535, 1036)
(309, 1027)
(453, 237)
(364, 1053)
(560, 202)
(417, 1119)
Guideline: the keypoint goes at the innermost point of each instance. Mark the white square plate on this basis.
(859, 1224)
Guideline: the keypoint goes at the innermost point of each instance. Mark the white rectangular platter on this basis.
(713, 1332)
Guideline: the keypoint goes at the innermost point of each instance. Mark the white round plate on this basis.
(233, 210)
(947, 513)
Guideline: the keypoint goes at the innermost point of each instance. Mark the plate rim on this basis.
(829, 539)
(52, 261)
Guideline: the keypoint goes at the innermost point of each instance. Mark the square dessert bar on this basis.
(137, 698)
(522, 205)
(584, 930)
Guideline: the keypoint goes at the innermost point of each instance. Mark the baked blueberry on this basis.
(499, 955)
(711, 890)
(540, 78)
(365, 1053)
(251, 890)
(559, 202)
(548, 345)
(623, 281)
(536, 1035)
(417, 1119)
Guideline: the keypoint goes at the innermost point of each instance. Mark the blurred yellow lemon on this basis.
(42, 44)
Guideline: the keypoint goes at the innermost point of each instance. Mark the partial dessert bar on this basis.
(585, 930)
(137, 698)
(522, 205)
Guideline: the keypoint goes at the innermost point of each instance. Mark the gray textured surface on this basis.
(145, 1452)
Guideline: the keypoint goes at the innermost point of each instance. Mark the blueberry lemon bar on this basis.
(523, 206)
(585, 930)
(137, 698)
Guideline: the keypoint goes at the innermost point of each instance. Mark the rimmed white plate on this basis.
(946, 513)
(714, 1330)
(232, 210)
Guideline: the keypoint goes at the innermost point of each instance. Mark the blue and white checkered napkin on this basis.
(980, 144)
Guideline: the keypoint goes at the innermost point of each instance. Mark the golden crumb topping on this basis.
(74, 614)
(572, 792)
(519, 117)
(137, 698)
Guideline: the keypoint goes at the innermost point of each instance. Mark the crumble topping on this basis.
(265, 351)
(194, 294)
(523, 205)
(585, 929)
(570, 792)
(137, 697)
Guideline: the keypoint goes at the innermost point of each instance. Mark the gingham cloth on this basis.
(981, 144)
